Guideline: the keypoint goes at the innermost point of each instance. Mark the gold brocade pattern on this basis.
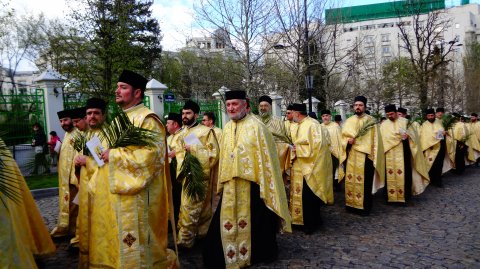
(369, 145)
(472, 143)
(235, 223)
(195, 216)
(313, 163)
(22, 230)
(248, 156)
(335, 136)
(277, 127)
(129, 197)
(393, 148)
(431, 145)
(66, 178)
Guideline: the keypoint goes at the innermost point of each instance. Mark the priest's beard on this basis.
(265, 115)
(359, 113)
(238, 116)
(431, 120)
(188, 122)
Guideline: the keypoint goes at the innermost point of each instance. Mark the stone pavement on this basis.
(440, 230)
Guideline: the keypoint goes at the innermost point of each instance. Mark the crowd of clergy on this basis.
(263, 174)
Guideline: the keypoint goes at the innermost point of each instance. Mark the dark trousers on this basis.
(435, 172)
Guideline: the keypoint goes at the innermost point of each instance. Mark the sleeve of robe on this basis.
(132, 168)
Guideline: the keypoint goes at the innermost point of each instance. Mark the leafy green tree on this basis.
(103, 38)
(191, 75)
(399, 83)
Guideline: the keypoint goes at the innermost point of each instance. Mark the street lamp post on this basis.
(309, 86)
(308, 76)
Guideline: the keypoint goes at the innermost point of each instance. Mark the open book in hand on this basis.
(95, 147)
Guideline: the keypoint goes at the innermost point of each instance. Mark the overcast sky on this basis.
(175, 16)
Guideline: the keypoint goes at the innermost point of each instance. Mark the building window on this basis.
(369, 39)
(385, 37)
(369, 51)
(385, 50)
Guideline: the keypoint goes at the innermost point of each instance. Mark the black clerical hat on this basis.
(96, 103)
(474, 115)
(175, 117)
(265, 98)
(137, 81)
(338, 117)
(440, 109)
(290, 107)
(189, 104)
(429, 111)
(67, 113)
(299, 107)
(402, 110)
(361, 98)
(390, 108)
(79, 113)
(235, 95)
(326, 112)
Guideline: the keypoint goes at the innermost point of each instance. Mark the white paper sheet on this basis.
(95, 147)
(191, 140)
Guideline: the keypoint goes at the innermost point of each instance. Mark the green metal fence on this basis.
(18, 112)
(214, 106)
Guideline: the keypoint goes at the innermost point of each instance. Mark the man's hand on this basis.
(81, 160)
(105, 155)
(187, 148)
(404, 136)
(351, 141)
(172, 154)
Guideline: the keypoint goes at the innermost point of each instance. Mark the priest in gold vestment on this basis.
(95, 114)
(434, 147)
(311, 178)
(253, 199)
(209, 120)
(475, 135)
(23, 234)
(277, 127)
(336, 149)
(67, 181)
(406, 169)
(365, 159)
(131, 191)
(195, 215)
(460, 136)
(174, 128)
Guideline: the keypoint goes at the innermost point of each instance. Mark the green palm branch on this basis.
(121, 132)
(191, 172)
(9, 186)
(448, 121)
(367, 125)
(79, 141)
(283, 138)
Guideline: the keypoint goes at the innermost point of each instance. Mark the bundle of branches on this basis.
(195, 180)
(9, 186)
(79, 141)
(367, 125)
(283, 138)
(121, 132)
(466, 137)
(448, 121)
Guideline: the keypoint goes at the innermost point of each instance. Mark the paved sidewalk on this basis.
(440, 230)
